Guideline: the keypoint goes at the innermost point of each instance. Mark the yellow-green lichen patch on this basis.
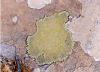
(51, 42)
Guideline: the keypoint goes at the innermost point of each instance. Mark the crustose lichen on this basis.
(51, 42)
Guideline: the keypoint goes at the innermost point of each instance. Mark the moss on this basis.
(51, 42)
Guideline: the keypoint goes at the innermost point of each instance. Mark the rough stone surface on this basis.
(78, 61)
(86, 28)
(7, 50)
(16, 33)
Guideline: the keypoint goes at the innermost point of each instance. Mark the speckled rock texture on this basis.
(86, 28)
(18, 20)
(78, 61)
(7, 51)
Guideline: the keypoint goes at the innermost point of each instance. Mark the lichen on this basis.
(51, 42)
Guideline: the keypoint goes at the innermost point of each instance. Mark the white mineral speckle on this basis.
(14, 19)
(19, 1)
(36, 70)
(38, 4)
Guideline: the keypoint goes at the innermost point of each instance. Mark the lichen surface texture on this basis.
(51, 42)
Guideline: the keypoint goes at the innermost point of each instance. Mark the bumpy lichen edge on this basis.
(68, 52)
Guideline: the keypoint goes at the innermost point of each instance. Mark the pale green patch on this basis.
(51, 42)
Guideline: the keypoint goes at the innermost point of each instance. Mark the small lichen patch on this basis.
(51, 42)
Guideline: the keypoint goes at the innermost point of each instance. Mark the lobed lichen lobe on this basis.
(51, 42)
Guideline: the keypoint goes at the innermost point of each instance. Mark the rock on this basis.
(86, 28)
(7, 51)
(76, 60)
(26, 18)
(14, 32)
(85, 69)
